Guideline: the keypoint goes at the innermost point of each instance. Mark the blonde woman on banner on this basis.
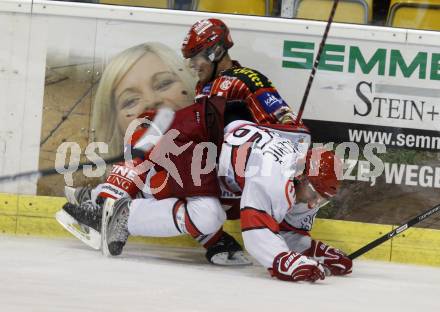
(149, 75)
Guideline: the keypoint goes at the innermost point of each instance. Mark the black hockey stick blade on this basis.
(316, 63)
(395, 232)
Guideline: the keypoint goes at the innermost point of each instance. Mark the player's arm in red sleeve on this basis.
(264, 101)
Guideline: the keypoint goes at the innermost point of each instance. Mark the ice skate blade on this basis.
(84, 233)
(107, 212)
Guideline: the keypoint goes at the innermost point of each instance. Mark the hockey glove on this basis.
(292, 266)
(333, 259)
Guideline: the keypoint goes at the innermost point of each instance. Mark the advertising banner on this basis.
(368, 92)
(373, 85)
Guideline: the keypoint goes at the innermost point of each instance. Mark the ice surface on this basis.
(64, 275)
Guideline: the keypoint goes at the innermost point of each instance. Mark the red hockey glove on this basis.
(292, 266)
(333, 259)
(123, 180)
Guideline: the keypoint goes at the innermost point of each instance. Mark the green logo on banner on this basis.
(383, 62)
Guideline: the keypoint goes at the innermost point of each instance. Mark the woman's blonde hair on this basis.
(104, 113)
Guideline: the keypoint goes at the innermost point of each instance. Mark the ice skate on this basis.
(81, 217)
(87, 232)
(227, 251)
(115, 226)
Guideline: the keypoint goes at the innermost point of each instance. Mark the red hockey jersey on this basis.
(242, 83)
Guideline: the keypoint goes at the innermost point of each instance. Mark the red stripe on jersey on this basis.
(252, 219)
(286, 227)
(190, 226)
(289, 192)
(239, 158)
(241, 90)
(233, 91)
(260, 114)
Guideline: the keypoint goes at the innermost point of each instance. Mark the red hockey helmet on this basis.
(205, 34)
(323, 168)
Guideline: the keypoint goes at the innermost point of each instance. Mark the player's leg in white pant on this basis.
(172, 217)
(200, 217)
(204, 215)
(152, 217)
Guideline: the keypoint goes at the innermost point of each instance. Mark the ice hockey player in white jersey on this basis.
(277, 206)
(278, 202)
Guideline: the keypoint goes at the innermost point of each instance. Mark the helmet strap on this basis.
(216, 53)
(216, 56)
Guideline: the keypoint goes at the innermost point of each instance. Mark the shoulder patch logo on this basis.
(271, 100)
(225, 85)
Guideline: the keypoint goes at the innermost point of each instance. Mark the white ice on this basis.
(64, 275)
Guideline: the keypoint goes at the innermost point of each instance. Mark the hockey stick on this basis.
(51, 171)
(316, 63)
(161, 122)
(395, 232)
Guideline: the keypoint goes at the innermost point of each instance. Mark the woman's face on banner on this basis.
(150, 83)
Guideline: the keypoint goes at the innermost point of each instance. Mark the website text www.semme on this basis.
(394, 139)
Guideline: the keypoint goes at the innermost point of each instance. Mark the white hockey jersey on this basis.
(259, 163)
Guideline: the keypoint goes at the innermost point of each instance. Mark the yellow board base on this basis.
(34, 216)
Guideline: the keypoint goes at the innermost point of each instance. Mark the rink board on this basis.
(34, 216)
(39, 34)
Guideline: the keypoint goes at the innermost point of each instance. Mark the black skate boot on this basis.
(81, 208)
(227, 251)
(82, 221)
(116, 226)
(87, 213)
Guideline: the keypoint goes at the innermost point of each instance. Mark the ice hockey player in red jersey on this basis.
(196, 209)
(206, 47)
(277, 204)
